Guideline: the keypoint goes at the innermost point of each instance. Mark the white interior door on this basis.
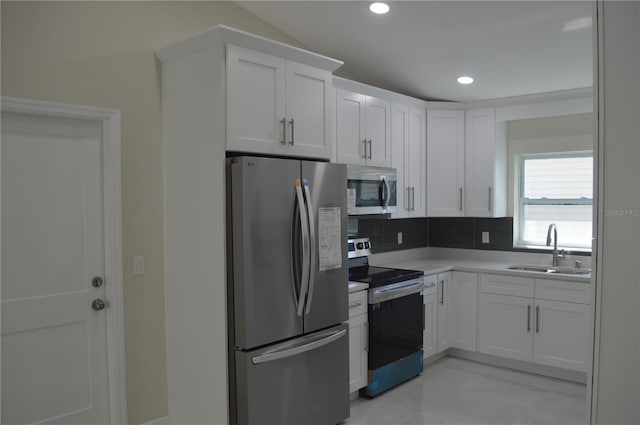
(54, 344)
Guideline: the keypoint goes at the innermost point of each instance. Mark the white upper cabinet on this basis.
(363, 129)
(351, 141)
(255, 111)
(399, 146)
(409, 158)
(416, 161)
(445, 163)
(309, 112)
(378, 131)
(485, 165)
(277, 106)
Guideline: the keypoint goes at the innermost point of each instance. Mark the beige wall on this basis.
(540, 135)
(102, 54)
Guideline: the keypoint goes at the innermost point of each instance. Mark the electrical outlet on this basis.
(485, 237)
(399, 238)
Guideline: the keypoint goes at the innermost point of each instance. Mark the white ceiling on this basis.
(511, 48)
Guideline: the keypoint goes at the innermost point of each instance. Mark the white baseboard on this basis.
(159, 421)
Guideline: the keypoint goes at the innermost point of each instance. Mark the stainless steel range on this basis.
(396, 319)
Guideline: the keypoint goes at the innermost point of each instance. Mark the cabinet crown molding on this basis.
(222, 34)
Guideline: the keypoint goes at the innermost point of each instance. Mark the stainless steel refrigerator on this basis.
(287, 290)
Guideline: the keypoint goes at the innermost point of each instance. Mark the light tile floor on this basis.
(456, 391)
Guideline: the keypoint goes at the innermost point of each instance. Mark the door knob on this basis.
(98, 304)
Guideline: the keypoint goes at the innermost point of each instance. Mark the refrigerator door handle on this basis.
(312, 237)
(298, 349)
(304, 223)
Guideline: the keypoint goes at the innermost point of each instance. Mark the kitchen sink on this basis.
(553, 270)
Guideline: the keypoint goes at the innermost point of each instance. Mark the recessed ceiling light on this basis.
(379, 8)
(464, 80)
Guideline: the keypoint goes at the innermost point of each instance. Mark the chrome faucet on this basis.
(556, 256)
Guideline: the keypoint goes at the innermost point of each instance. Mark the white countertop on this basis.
(357, 286)
(442, 264)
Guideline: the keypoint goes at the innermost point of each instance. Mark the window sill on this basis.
(549, 250)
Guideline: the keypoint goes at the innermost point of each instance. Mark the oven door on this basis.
(395, 329)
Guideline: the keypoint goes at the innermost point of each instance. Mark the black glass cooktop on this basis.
(380, 276)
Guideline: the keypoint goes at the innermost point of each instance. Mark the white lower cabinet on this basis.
(358, 340)
(445, 312)
(430, 333)
(544, 331)
(456, 307)
(464, 308)
(561, 334)
(505, 326)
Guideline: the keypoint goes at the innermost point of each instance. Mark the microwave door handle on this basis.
(312, 241)
(387, 192)
(304, 224)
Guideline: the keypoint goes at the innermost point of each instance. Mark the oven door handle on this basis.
(381, 296)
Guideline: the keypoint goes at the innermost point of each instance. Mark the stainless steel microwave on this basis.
(371, 190)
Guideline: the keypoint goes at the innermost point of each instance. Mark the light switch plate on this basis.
(485, 237)
(138, 265)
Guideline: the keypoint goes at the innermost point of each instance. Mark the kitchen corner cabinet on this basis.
(485, 165)
(358, 340)
(464, 296)
(548, 325)
(445, 163)
(430, 332)
(408, 157)
(277, 106)
(446, 312)
(457, 310)
(363, 129)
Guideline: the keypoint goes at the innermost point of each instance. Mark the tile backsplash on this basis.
(461, 232)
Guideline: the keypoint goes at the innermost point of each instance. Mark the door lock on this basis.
(97, 282)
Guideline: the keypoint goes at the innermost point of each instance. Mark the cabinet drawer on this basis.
(357, 303)
(507, 285)
(561, 290)
(430, 284)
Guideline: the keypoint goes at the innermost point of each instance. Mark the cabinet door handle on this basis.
(365, 148)
(355, 304)
(283, 122)
(461, 199)
(528, 318)
(370, 148)
(412, 198)
(537, 319)
(292, 131)
(408, 201)
(490, 199)
(366, 336)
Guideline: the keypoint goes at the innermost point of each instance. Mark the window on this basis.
(556, 188)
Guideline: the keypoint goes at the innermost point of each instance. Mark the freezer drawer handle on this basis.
(289, 352)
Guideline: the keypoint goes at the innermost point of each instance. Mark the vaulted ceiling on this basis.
(511, 48)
